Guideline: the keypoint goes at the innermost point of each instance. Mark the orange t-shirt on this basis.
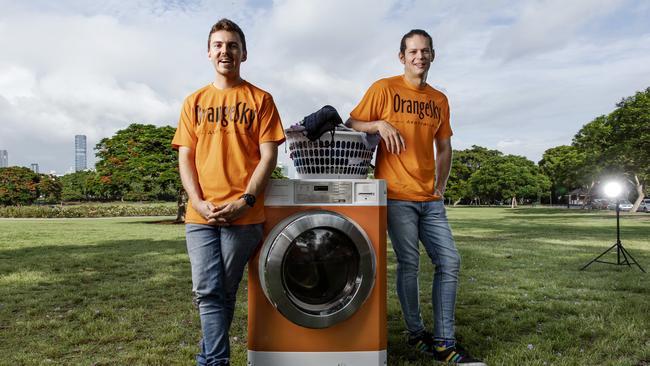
(421, 116)
(225, 129)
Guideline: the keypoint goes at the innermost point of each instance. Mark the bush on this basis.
(106, 210)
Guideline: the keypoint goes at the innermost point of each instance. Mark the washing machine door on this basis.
(317, 268)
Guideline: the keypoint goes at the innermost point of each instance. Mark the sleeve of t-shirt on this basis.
(444, 131)
(270, 124)
(185, 134)
(371, 105)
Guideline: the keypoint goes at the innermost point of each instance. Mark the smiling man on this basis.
(227, 140)
(412, 117)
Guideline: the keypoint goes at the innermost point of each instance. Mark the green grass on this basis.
(118, 291)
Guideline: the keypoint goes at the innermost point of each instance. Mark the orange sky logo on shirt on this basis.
(239, 114)
(417, 107)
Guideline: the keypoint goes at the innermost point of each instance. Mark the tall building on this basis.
(4, 159)
(34, 167)
(80, 153)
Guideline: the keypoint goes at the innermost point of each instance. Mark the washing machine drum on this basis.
(317, 268)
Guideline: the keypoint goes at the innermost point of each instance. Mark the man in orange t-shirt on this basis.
(412, 118)
(227, 140)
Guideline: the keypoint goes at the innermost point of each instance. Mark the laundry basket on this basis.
(343, 157)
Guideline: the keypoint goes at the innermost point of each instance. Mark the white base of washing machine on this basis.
(369, 358)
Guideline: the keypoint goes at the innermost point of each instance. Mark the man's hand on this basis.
(440, 193)
(204, 208)
(391, 136)
(228, 212)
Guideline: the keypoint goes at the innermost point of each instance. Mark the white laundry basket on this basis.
(344, 157)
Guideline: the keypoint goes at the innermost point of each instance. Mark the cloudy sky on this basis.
(521, 76)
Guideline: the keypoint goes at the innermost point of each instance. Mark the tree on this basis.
(465, 163)
(630, 139)
(565, 167)
(619, 143)
(509, 177)
(18, 186)
(277, 174)
(80, 186)
(371, 171)
(138, 163)
(49, 188)
(593, 140)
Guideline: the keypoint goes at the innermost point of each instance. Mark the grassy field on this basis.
(117, 292)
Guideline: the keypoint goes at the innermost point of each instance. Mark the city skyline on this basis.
(80, 159)
(517, 79)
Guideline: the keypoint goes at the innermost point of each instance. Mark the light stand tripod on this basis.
(620, 250)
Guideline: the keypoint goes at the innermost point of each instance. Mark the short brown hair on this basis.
(411, 33)
(230, 26)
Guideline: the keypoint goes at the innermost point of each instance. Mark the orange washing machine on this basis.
(317, 286)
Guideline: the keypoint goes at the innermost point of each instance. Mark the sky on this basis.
(521, 76)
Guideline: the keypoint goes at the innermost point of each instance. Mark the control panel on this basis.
(283, 192)
(322, 192)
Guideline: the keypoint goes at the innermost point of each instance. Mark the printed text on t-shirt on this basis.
(224, 115)
(416, 107)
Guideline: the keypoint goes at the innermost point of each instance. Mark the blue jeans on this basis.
(427, 221)
(218, 255)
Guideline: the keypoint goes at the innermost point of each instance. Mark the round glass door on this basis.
(317, 268)
(320, 269)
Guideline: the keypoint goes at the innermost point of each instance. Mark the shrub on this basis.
(106, 210)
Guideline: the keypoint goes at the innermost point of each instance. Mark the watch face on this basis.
(250, 199)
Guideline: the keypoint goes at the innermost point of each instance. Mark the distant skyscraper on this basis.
(4, 159)
(80, 153)
(34, 167)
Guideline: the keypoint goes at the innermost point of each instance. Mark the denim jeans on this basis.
(218, 255)
(411, 222)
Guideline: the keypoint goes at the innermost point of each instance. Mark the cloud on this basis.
(545, 25)
(521, 75)
(45, 117)
(87, 75)
(16, 82)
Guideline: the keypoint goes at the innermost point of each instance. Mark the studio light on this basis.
(613, 190)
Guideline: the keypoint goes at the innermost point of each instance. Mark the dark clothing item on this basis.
(324, 120)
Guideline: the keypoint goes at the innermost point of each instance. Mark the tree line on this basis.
(615, 146)
(136, 164)
(139, 164)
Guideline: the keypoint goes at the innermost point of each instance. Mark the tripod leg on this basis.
(597, 258)
(627, 254)
(620, 250)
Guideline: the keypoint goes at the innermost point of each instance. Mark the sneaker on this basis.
(456, 354)
(422, 342)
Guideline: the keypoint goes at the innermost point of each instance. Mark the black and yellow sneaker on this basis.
(422, 342)
(454, 354)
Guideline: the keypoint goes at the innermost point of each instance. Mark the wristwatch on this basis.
(249, 198)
